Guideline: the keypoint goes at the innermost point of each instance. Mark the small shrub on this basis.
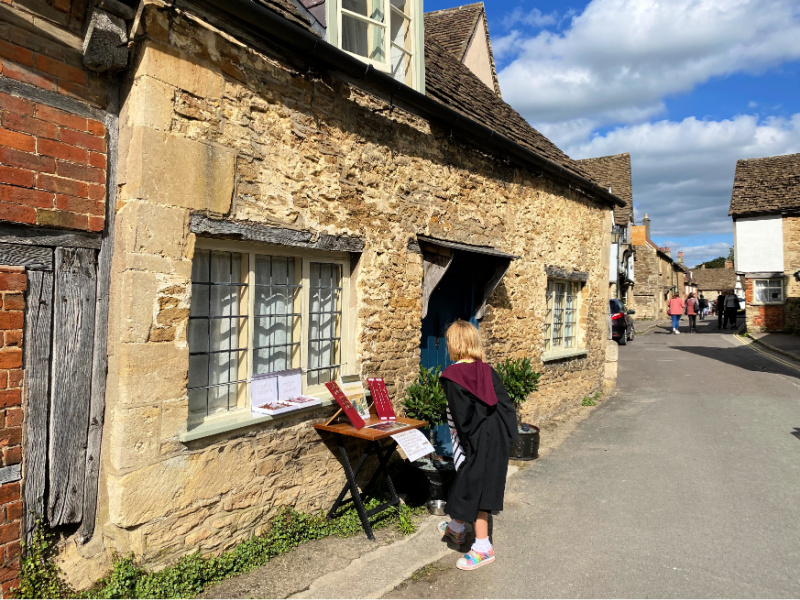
(425, 400)
(591, 400)
(39, 575)
(519, 379)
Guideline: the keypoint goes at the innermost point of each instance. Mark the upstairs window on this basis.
(384, 33)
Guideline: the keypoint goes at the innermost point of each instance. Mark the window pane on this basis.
(761, 290)
(276, 315)
(324, 326)
(217, 319)
(363, 38)
(372, 9)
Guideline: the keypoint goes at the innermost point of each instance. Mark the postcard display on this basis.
(279, 392)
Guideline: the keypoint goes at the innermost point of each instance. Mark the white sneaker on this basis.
(677, 332)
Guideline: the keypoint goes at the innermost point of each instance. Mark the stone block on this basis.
(170, 66)
(612, 351)
(134, 438)
(149, 104)
(136, 306)
(151, 373)
(174, 416)
(172, 170)
(179, 482)
(105, 46)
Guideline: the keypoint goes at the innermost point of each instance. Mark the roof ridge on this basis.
(454, 8)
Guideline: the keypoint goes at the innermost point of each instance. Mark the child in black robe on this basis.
(483, 425)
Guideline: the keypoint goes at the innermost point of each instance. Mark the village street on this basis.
(683, 484)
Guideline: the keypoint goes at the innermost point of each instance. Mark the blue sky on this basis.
(686, 86)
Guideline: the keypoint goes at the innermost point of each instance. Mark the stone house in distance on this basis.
(658, 276)
(765, 208)
(614, 173)
(713, 282)
(256, 191)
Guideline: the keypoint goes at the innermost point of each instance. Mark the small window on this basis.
(768, 291)
(385, 33)
(560, 328)
(255, 312)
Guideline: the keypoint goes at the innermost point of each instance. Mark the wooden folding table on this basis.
(374, 447)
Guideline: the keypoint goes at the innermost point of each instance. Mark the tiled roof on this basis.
(453, 84)
(614, 173)
(286, 9)
(714, 279)
(766, 186)
(452, 28)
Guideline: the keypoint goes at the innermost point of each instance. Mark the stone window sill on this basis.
(561, 354)
(241, 419)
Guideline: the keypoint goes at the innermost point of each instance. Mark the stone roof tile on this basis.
(766, 186)
(452, 28)
(614, 173)
(714, 279)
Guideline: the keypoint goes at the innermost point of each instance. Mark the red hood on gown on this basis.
(475, 377)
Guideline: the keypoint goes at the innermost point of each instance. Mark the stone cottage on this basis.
(765, 208)
(614, 173)
(658, 275)
(711, 282)
(258, 190)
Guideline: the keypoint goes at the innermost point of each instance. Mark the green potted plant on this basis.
(425, 401)
(520, 380)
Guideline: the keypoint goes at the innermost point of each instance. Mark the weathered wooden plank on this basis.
(39, 258)
(38, 335)
(34, 236)
(73, 341)
(275, 235)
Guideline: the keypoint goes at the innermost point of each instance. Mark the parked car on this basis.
(622, 330)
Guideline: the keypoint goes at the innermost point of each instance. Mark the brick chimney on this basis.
(728, 264)
(646, 223)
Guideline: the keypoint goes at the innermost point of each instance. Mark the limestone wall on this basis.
(791, 257)
(212, 126)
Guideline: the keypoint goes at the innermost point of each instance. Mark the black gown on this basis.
(486, 434)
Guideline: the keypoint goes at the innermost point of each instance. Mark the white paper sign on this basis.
(290, 384)
(263, 390)
(414, 444)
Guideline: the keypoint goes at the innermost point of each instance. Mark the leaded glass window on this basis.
(768, 291)
(561, 315)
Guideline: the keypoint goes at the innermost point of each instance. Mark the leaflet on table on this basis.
(279, 392)
(352, 387)
(414, 444)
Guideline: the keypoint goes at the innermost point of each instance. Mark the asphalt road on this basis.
(685, 483)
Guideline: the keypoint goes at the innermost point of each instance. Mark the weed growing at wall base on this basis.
(40, 578)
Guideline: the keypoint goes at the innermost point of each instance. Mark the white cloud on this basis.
(620, 58)
(694, 255)
(534, 18)
(683, 171)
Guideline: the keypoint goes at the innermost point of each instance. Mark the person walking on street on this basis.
(731, 308)
(692, 310)
(719, 307)
(675, 309)
(703, 307)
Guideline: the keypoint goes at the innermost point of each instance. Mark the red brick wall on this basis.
(52, 166)
(13, 283)
(760, 317)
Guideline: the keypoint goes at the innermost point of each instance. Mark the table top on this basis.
(365, 433)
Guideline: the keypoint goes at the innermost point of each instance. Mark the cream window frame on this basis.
(550, 350)
(303, 259)
(769, 287)
(335, 11)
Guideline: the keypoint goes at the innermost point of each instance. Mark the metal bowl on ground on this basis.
(436, 507)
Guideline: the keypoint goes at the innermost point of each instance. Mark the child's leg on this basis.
(482, 525)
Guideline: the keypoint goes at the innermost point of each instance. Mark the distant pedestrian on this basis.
(483, 426)
(731, 308)
(675, 309)
(692, 310)
(703, 307)
(719, 307)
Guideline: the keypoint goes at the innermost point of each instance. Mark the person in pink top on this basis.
(692, 310)
(675, 309)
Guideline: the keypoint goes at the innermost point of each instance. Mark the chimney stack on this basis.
(728, 264)
(646, 223)
(680, 258)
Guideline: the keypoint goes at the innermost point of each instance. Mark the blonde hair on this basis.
(464, 341)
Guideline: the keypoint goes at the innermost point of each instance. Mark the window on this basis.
(385, 33)
(768, 291)
(560, 326)
(255, 312)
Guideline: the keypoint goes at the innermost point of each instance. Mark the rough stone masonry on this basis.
(215, 127)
